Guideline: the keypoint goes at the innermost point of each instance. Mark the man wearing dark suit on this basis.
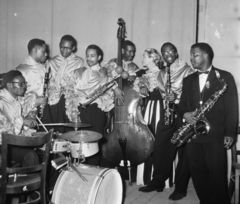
(207, 154)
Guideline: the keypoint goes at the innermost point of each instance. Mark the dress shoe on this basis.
(177, 196)
(150, 188)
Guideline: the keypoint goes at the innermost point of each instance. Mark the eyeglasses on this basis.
(170, 52)
(21, 84)
(65, 48)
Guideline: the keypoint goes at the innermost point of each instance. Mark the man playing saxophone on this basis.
(164, 151)
(207, 154)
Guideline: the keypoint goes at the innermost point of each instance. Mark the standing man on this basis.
(164, 151)
(207, 154)
(11, 120)
(33, 70)
(128, 54)
(64, 72)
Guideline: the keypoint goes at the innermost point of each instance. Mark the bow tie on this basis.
(199, 73)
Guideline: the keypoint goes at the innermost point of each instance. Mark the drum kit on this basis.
(80, 143)
(79, 183)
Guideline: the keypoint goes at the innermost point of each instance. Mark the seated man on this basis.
(11, 119)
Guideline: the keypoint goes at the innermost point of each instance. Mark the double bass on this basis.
(127, 136)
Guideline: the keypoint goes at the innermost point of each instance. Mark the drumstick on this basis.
(42, 124)
(77, 171)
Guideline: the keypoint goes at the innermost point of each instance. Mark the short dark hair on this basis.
(70, 38)
(10, 76)
(35, 42)
(205, 48)
(168, 43)
(127, 43)
(98, 50)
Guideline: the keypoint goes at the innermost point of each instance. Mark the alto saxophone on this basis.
(100, 91)
(170, 107)
(202, 126)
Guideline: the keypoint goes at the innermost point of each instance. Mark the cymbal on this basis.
(77, 125)
(73, 124)
(81, 136)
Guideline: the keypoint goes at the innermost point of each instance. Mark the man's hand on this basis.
(119, 94)
(29, 122)
(103, 71)
(170, 97)
(132, 78)
(190, 118)
(144, 92)
(41, 101)
(228, 142)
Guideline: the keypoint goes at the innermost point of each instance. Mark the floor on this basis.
(133, 196)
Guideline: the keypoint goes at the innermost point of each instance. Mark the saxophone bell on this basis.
(202, 127)
(188, 132)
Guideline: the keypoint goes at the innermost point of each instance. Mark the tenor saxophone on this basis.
(202, 126)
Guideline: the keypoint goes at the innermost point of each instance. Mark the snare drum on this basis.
(103, 186)
(57, 145)
(87, 149)
(60, 145)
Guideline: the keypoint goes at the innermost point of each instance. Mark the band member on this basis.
(152, 62)
(207, 154)
(164, 151)
(63, 72)
(11, 119)
(33, 70)
(128, 54)
(89, 81)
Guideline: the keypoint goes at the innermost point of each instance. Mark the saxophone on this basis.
(99, 91)
(170, 107)
(202, 126)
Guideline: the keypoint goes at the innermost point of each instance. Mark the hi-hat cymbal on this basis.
(81, 136)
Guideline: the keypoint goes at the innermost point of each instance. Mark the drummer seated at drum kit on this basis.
(11, 120)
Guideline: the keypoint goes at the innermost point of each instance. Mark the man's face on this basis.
(169, 54)
(198, 58)
(18, 86)
(66, 48)
(128, 54)
(92, 57)
(40, 53)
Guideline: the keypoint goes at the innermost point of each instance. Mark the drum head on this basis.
(103, 186)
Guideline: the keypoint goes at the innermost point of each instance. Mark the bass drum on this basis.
(102, 186)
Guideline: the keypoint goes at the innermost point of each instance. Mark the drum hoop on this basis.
(95, 141)
(57, 185)
(96, 185)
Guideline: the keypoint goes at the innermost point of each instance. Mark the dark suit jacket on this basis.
(223, 117)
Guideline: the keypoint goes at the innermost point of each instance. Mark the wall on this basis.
(219, 25)
(149, 23)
